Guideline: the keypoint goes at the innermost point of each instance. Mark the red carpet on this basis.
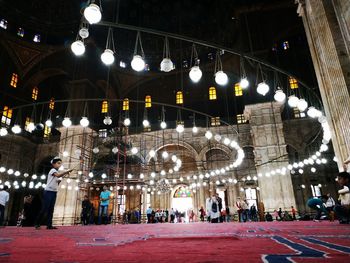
(196, 242)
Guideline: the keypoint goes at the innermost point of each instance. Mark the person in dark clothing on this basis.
(280, 214)
(50, 193)
(86, 210)
(218, 198)
(253, 213)
(28, 215)
(268, 217)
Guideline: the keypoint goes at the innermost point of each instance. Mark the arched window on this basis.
(182, 192)
(293, 83)
(104, 106)
(35, 93)
(6, 115)
(52, 104)
(212, 93)
(148, 101)
(14, 80)
(179, 97)
(238, 90)
(126, 104)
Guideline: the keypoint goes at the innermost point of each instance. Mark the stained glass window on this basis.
(35, 93)
(6, 116)
(179, 97)
(52, 104)
(182, 192)
(14, 80)
(293, 83)
(148, 101)
(238, 90)
(212, 93)
(104, 106)
(126, 104)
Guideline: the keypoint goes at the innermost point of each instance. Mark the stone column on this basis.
(327, 29)
(270, 153)
(77, 142)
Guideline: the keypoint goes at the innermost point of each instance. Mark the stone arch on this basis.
(186, 145)
(42, 75)
(207, 148)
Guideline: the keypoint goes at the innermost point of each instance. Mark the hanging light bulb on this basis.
(107, 120)
(263, 88)
(180, 128)
(134, 150)
(96, 150)
(138, 63)
(221, 78)
(163, 125)
(115, 150)
(16, 129)
(208, 135)
(84, 122)
(313, 112)
(78, 47)
(279, 96)
(3, 132)
(31, 127)
(174, 158)
(195, 74)
(107, 57)
(293, 101)
(127, 122)
(166, 65)
(66, 122)
(194, 129)
(302, 105)
(152, 153)
(165, 155)
(92, 14)
(48, 123)
(84, 32)
(244, 83)
(145, 123)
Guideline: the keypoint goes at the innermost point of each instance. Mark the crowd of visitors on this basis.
(325, 207)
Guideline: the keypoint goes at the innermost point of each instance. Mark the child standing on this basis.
(50, 193)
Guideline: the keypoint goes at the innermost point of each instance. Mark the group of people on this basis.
(327, 208)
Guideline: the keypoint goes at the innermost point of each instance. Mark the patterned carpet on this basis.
(195, 242)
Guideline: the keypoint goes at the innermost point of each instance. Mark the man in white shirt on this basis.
(50, 193)
(4, 198)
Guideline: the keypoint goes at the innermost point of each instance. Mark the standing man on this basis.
(50, 193)
(218, 198)
(104, 197)
(149, 215)
(4, 198)
(239, 209)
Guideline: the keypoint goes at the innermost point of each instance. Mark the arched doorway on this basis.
(182, 201)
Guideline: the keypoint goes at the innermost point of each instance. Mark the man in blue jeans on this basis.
(104, 197)
(50, 193)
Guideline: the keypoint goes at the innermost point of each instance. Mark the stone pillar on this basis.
(327, 29)
(78, 142)
(270, 153)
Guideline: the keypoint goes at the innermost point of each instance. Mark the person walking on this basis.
(4, 198)
(103, 211)
(50, 193)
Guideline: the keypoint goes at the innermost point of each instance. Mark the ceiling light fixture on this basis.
(166, 65)
(138, 63)
(220, 76)
(195, 72)
(107, 57)
(92, 13)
